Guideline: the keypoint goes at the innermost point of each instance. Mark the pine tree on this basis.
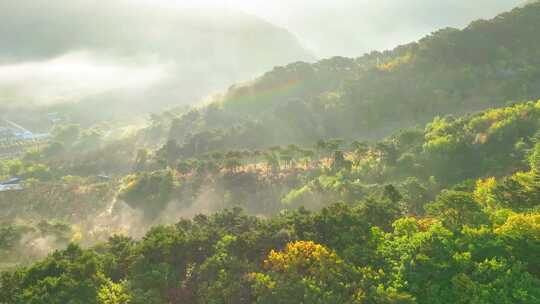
(534, 163)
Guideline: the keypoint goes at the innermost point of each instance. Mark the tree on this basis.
(149, 192)
(340, 162)
(388, 152)
(457, 209)
(66, 134)
(320, 147)
(113, 293)
(307, 156)
(534, 162)
(221, 278)
(522, 233)
(232, 164)
(392, 194)
(69, 276)
(185, 167)
(334, 145)
(415, 196)
(360, 147)
(89, 139)
(305, 272)
(141, 159)
(169, 152)
(272, 162)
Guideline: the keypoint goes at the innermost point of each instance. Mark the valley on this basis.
(403, 176)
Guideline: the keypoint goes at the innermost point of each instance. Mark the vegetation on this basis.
(468, 252)
(212, 206)
(392, 235)
(448, 72)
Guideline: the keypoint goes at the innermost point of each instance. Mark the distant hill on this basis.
(197, 52)
(451, 71)
(527, 2)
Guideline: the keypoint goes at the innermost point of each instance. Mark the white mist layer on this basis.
(72, 77)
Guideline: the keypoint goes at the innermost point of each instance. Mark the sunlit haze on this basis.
(269, 151)
(209, 40)
(352, 27)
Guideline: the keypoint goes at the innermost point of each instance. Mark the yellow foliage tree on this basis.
(483, 192)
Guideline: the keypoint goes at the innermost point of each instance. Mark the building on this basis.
(6, 134)
(11, 132)
(12, 184)
(12, 181)
(14, 187)
(16, 140)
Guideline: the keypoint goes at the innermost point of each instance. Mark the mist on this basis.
(139, 56)
(71, 77)
(353, 27)
(148, 55)
(283, 151)
(131, 57)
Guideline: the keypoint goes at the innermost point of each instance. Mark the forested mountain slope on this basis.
(426, 216)
(449, 72)
(66, 197)
(270, 194)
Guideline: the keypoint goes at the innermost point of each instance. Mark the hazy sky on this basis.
(352, 27)
(69, 49)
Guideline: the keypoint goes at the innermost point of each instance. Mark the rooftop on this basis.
(11, 187)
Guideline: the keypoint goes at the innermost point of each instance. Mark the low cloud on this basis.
(148, 55)
(353, 27)
(72, 77)
(107, 52)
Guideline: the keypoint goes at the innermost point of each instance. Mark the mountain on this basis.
(489, 63)
(251, 201)
(455, 202)
(527, 2)
(129, 57)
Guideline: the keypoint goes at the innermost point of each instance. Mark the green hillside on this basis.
(433, 215)
(449, 72)
(409, 176)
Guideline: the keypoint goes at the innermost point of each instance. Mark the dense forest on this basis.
(405, 176)
(431, 215)
(449, 72)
